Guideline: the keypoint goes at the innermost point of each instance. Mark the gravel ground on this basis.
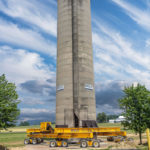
(45, 146)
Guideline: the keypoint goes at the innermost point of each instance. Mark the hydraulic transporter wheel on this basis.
(96, 143)
(83, 144)
(53, 143)
(34, 141)
(42, 140)
(64, 144)
(26, 141)
(39, 140)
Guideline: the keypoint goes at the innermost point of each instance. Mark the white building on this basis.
(118, 120)
(111, 121)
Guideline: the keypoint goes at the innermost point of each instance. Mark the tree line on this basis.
(104, 118)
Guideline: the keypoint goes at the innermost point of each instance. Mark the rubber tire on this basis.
(34, 141)
(26, 141)
(53, 144)
(39, 140)
(96, 144)
(83, 144)
(64, 144)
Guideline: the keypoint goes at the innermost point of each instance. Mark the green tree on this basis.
(24, 123)
(8, 103)
(101, 117)
(136, 108)
(112, 117)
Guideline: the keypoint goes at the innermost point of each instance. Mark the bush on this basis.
(24, 123)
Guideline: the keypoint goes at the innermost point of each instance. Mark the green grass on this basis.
(12, 139)
(115, 125)
(26, 127)
(109, 124)
(29, 127)
(142, 147)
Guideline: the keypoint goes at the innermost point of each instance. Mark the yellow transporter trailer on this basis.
(63, 136)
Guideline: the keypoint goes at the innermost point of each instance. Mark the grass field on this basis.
(20, 128)
(14, 137)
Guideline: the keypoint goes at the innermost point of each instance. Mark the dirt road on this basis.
(45, 146)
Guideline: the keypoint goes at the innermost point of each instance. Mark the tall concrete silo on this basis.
(75, 93)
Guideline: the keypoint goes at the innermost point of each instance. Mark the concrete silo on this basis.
(75, 93)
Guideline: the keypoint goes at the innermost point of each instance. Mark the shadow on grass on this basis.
(143, 146)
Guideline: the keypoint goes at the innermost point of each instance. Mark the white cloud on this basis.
(37, 114)
(104, 68)
(142, 77)
(35, 110)
(140, 16)
(13, 34)
(32, 100)
(108, 93)
(108, 109)
(32, 12)
(116, 57)
(21, 66)
(148, 43)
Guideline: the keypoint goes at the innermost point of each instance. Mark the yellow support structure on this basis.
(85, 136)
(148, 138)
(87, 130)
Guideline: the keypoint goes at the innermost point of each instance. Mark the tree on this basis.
(24, 123)
(8, 103)
(112, 117)
(136, 108)
(101, 117)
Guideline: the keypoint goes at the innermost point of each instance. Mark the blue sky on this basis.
(28, 43)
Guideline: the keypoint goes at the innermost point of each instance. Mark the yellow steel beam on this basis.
(86, 130)
(75, 135)
(148, 138)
